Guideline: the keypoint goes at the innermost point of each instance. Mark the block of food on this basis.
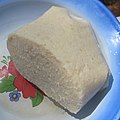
(60, 55)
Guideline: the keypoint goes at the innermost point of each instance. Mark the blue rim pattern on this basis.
(107, 29)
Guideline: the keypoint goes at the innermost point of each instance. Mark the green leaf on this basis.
(9, 58)
(4, 57)
(4, 62)
(37, 99)
(7, 84)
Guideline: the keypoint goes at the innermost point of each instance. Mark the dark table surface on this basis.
(113, 5)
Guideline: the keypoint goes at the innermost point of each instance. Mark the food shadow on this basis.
(94, 102)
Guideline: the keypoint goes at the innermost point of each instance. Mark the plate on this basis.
(15, 14)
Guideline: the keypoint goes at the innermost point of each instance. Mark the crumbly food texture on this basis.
(60, 55)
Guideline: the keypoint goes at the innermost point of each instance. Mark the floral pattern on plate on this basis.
(13, 83)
